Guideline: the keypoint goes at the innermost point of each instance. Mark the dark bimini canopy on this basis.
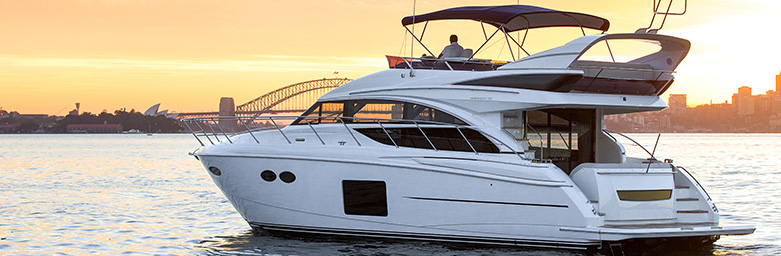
(514, 17)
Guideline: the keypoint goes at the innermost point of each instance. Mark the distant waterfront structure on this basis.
(94, 128)
(778, 82)
(228, 108)
(743, 102)
(291, 99)
(746, 113)
(75, 112)
(151, 111)
(677, 103)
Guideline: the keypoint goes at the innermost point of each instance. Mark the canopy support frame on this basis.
(419, 41)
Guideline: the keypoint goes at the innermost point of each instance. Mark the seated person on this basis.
(452, 50)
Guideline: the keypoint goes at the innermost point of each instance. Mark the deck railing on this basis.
(213, 130)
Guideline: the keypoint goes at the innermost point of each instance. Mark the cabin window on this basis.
(327, 112)
(365, 111)
(442, 138)
(363, 197)
(372, 111)
(565, 136)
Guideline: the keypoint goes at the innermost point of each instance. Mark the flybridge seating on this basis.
(650, 73)
(449, 63)
(506, 19)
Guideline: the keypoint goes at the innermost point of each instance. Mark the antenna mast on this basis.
(412, 44)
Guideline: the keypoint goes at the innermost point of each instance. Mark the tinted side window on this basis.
(328, 112)
(442, 138)
(374, 109)
(363, 197)
(325, 112)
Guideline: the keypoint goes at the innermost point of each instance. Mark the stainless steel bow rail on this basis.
(214, 129)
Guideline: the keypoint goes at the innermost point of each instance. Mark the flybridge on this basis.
(598, 64)
(506, 19)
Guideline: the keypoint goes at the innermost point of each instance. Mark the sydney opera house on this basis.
(153, 111)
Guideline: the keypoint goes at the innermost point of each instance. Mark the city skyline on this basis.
(134, 54)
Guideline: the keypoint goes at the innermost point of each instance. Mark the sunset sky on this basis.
(187, 54)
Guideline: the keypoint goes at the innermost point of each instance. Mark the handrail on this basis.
(245, 127)
(213, 132)
(426, 136)
(627, 137)
(695, 181)
(576, 65)
(193, 132)
(466, 60)
(226, 136)
(542, 152)
(467, 140)
(220, 122)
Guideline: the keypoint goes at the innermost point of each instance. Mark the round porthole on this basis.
(287, 177)
(215, 170)
(268, 175)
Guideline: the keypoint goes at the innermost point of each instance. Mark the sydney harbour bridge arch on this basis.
(289, 100)
(293, 98)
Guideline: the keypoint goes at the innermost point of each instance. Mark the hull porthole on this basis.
(287, 177)
(268, 175)
(214, 170)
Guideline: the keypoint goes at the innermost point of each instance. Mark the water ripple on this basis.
(130, 195)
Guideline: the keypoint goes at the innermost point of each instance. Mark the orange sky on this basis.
(187, 54)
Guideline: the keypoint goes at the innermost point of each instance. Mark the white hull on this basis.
(434, 196)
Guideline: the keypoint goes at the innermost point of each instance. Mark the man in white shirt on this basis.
(452, 50)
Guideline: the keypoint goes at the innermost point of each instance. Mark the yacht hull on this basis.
(440, 196)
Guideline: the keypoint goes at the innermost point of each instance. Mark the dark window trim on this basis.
(409, 112)
(443, 138)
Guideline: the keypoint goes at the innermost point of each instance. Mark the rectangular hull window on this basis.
(363, 197)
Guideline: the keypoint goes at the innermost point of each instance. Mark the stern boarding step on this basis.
(689, 208)
(615, 191)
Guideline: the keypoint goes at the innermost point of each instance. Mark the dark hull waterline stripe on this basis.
(424, 237)
(485, 202)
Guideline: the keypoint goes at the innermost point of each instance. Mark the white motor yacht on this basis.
(470, 150)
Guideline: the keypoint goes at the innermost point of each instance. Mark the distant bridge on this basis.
(293, 99)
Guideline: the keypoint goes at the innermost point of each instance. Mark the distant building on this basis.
(778, 82)
(762, 104)
(94, 128)
(32, 116)
(677, 103)
(152, 110)
(744, 103)
(228, 108)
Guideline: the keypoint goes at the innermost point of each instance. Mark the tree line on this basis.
(128, 120)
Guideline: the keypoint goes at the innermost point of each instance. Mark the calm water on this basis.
(138, 194)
